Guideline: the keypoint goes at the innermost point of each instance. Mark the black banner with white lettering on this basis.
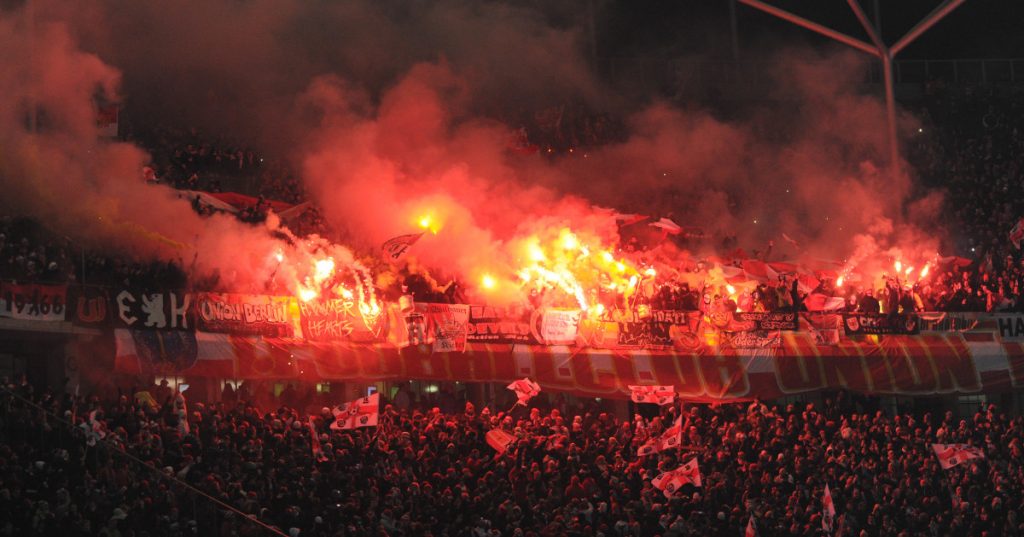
(252, 315)
(166, 310)
(880, 324)
(500, 325)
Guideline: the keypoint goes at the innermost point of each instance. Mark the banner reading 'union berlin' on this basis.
(974, 361)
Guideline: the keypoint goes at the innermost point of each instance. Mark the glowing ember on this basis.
(731, 289)
(924, 272)
(324, 269)
(899, 266)
(839, 281)
(488, 281)
(569, 241)
(306, 294)
(650, 273)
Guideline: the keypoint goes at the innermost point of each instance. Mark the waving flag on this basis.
(181, 409)
(525, 390)
(671, 438)
(363, 412)
(659, 395)
(314, 438)
(499, 439)
(93, 430)
(751, 530)
(951, 455)
(671, 481)
(1017, 233)
(828, 511)
(397, 246)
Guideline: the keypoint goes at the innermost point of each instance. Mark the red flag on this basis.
(828, 511)
(671, 438)
(659, 395)
(820, 302)
(951, 455)
(314, 438)
(364, 412)
(525, 390)
(671, 481)
(499, 439)
(751, 530)
(397, 246)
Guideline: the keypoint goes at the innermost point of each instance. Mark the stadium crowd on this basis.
(967, 146)
(571, 470)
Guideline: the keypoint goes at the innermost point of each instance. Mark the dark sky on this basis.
(976, 29)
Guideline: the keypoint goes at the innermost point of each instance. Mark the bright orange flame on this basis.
(839, 281)
(306, 294)
(429, 223)
(899, 266)
(731, 289)
(924, 272)
(324, 268)
(650, 272)
(488, 281)
(569, 241)
(279, 256)
(536, 252)
(909, 270)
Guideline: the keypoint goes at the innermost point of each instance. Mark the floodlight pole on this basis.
(877, 48)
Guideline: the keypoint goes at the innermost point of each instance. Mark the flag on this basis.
(671, 481)
(146, 398)
(805, 283)
(525, 390)
(629, 219)
(363, 412)
(820, 302)
(181, 410)
(93, 430)
(751, 530)
(659, 395)
(828, 514)
(951, 455)
(668, 225)
(314, 437)
(1017, 233)
(397, 246)
(671, 438)
(790, 240)
(499, 439)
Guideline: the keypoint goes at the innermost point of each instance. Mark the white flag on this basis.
(671, 438)
(951, 455)
(363, 412)
(671, 481)
(525, 390)
(828, 514)
(659, 395)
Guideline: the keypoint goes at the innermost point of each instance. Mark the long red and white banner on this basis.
(984, 359)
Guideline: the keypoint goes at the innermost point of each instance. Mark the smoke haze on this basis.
(394, 112)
